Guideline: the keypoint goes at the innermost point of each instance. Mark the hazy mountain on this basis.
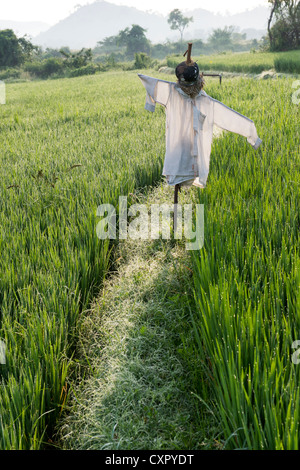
(92, 23)
(205, 21)
(254, 33)
(31, 28)
(256, 18)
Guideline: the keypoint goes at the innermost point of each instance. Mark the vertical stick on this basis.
(177, 188)
(189, 53)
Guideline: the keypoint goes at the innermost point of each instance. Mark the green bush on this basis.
(10, 73)
(142, 61)
(90, 69)
(46, 68)
(173, 61)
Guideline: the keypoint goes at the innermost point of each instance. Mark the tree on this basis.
(134, 39)
(108, 42)
(49, 52)
(77, 59)
(285, 32)
(274, 7)
(142, 60)
(221, 39)
(27, 48)
(178, 22)
(14, 51)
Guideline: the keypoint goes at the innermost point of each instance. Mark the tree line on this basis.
(132, 44)
(128, 42)
(284, 32)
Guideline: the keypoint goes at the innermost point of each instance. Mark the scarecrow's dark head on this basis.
(187, 74)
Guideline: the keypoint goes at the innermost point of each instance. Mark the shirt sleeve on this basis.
(232, 121)
(157, 91)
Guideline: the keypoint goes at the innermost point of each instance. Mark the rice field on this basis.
(247, 276)
(69, 145)
(66, 147)
(245, 62)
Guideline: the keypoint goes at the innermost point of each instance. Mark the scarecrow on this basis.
(191, 115)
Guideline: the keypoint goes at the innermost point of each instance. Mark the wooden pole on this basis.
(189, 53)
(177, 188)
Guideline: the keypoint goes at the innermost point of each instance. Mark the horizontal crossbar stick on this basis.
(213, 75)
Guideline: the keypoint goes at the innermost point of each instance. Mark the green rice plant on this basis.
(288, 62)
(246, 62)
(68, 146)
(246, 277)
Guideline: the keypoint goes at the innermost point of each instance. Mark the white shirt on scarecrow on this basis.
(189, 129)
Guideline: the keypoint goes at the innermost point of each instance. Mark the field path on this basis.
(136, 342)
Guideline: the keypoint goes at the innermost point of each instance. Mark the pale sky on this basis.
(52, 11)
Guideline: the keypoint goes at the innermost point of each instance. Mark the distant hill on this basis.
(92, 23)
(252, 21)
(31, 28)
(256, 18)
